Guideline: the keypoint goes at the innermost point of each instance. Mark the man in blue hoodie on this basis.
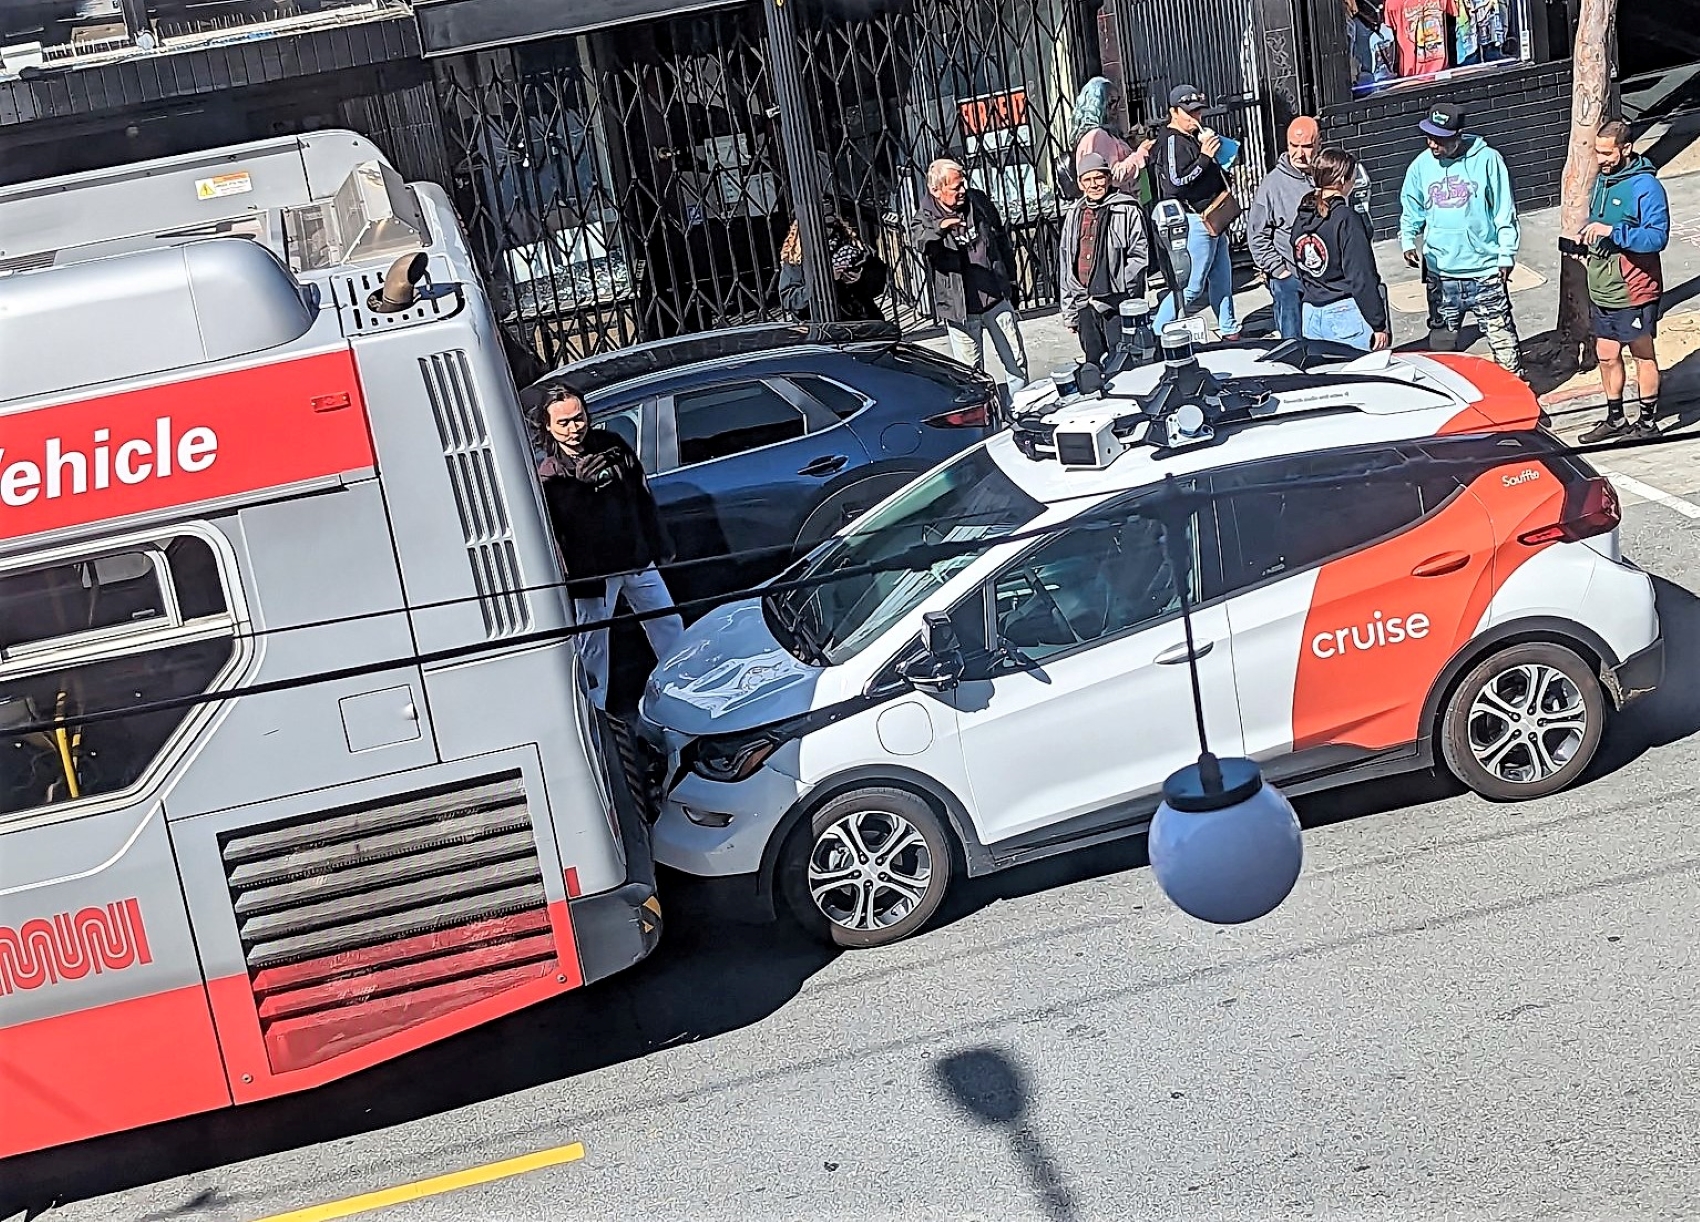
(1457, 200)
(1628, 225)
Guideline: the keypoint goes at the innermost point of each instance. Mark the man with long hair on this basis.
(607, 527)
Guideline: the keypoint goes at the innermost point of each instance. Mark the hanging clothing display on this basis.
(1420, 27)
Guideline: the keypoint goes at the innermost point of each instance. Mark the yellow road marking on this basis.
(434, 1186)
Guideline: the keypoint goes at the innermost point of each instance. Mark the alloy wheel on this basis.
(1527, 722)
(869, 870)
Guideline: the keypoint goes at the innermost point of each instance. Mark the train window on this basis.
(113, 631)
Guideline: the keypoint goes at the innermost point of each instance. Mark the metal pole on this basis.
(801, 171)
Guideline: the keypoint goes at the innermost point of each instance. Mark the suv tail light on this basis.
(975, 415)
(1590, 508)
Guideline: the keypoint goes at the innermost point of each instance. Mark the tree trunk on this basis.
(1590, 93)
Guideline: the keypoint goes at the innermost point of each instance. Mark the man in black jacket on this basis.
(967, 250)
(608, 529)
(1187, 171)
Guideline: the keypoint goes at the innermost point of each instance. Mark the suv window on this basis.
(97, 633)
(841, 400)
(1088, 584)
(727, 420)
(1271, 532)
(627, 425)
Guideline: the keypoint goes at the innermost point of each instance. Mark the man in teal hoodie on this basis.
(1457, 200)
(1628, 225)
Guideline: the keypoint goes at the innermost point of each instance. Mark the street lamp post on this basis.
(1225, 844)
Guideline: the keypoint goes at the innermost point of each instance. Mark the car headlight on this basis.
(730, 758)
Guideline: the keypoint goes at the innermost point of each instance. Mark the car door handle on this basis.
(1176, 654)
(826, 464)
(1439, 566)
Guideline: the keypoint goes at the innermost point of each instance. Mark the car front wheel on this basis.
(869, 868)
(1524, 723)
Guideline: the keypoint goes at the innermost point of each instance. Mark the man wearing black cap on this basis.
(1187, 171)
(1104, 256)
(1457, 199)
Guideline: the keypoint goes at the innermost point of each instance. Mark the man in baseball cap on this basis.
(1189, 98)
(1187, 172)
(1457, 202)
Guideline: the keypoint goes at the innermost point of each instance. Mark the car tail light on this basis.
(1590, 508)
(977, 415)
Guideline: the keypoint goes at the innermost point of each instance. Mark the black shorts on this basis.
(1628, 325)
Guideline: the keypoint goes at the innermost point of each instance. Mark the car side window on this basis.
(1271, 531)
(840, 400)
(725, 420)
(1090, 583)
(627, 425)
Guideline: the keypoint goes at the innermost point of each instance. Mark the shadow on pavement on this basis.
(1671, 713)
(989, 1087)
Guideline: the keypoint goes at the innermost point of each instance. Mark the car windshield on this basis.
(969, 501)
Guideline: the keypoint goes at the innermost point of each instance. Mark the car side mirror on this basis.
(938, 634)
(939, 665)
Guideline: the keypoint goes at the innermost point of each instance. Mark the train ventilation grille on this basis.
(361, 923)
(484, 522)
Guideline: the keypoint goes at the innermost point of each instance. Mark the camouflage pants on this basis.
(1449, 299)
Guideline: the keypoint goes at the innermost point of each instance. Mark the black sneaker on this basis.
(1643, 429)
(1609, 429)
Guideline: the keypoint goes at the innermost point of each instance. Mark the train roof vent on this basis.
(353, 289)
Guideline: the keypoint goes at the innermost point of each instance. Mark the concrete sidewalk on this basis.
(1534, 286)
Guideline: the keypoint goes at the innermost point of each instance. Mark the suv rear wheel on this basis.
(870, 868)
(1524, 722)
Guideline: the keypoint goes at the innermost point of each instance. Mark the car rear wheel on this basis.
(870, 868)
(1524, 723)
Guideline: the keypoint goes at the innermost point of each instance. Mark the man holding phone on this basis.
(1628, 225)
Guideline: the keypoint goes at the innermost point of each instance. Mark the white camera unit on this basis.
(1090, 443)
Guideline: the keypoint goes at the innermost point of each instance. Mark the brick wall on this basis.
(1523, 112)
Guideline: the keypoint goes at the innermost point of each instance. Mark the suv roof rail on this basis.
(600, 372)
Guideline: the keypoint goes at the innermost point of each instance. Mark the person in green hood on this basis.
(1628, 225)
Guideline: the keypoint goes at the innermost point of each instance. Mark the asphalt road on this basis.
(1465, 1010)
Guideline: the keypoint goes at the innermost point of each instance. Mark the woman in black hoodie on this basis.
(1343, 299)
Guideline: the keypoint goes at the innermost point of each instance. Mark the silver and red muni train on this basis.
(256, 426)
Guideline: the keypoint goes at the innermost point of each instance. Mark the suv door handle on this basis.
(1439, 566)
(1177, 653)
(826, 464)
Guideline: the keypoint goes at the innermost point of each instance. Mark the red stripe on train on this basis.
(148, 1059)
(199, 439)
(108, 1068)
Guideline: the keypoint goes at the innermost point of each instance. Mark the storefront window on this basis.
(1399, 42)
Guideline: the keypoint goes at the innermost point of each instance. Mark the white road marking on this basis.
(1647, 492)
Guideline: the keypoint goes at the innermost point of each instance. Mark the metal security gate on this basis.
(631, 184)
(621, 186)
(1209, 43)
(895, 84)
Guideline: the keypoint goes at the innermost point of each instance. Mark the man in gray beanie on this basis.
(1103, 260)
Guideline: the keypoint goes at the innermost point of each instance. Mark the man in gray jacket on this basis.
(1104, 258)
(1269, 225)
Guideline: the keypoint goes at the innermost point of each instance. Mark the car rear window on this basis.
(925, 363)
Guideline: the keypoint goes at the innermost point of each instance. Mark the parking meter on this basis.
(1169, 220)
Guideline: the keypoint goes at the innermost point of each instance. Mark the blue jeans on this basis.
(1289, 319)
(1212, 280)
(1341, 322)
